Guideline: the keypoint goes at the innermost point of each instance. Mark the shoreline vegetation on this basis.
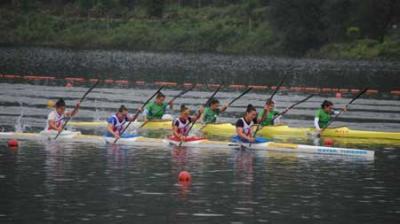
(341, 29)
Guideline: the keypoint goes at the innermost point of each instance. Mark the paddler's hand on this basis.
(140, 109)
(317, 132)
(251, 139)
(183, 138)
(344, 108)
(78, 105)
(116, 135)
(59, 129)
(266, 108)
(201, 110)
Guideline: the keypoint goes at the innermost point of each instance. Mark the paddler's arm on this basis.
(175, 132)
(74, 111)
(53, 126)
(130, 117)
(223, 109)
(110, 128)
(264, 115)
(171, 104)
(239, 131)
(277, 120)
(316, 124)
(198, 115)
(338, 110)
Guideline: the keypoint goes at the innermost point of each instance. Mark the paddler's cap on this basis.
(326, 103)
(60, 103)
(122, 108)
(184, 108)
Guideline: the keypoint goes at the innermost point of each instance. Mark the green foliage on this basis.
(361, 49)
(353, 33)
(155, 8)
(314, 28)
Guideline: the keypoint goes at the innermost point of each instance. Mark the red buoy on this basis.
(184, 176)
(12, 143)
(338, 95)
(328, 142)
(68, 85)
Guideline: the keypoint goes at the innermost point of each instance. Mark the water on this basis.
(199, 68)
(71, 183)
(43, 182)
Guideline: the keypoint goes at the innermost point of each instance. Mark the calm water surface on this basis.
(42, 182)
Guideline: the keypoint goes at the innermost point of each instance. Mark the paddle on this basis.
(269, 99)
(183, 92)
(291, 107)
(138, 112)
(198, 116)
(238, 97)
(73, 111)
(232, 101)
(351, 101)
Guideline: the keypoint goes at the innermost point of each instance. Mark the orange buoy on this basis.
(184, 176)
(328, 142)
(338, 95)
(12, 143)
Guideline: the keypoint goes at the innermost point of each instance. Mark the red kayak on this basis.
(188, 139)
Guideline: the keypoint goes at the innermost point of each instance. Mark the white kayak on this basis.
(281, 147)
(199, 143)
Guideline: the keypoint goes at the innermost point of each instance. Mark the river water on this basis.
(43, 182)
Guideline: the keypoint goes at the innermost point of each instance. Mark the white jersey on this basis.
(54, 116)
(116, 123)
(183, 127)
(246, 127)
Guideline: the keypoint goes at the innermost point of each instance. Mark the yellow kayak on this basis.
(227, 129)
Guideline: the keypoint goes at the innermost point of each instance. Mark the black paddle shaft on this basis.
(292, 106)
(238, 97)
(75, 108)
(138, 112)
(269, 99)
(351, 101)
(198, 116)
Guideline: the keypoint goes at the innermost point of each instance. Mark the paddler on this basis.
(156, 109)
(212, 112)
(56, 118)
(244, 127)
(181, 125)
(324, 114)
(116, 123)
(266, 116)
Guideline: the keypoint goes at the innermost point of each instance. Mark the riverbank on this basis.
(226, 30)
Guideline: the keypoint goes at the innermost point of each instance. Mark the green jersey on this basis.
(155, 111)
(323, 118)
(210, 116)
(268, 119)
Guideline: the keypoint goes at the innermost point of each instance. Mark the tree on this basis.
(155, 8)
(298, 24)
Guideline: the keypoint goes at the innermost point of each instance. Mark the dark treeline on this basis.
(297, 27)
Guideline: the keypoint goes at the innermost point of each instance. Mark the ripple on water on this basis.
(208, 214)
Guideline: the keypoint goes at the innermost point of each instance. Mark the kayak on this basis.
(198, 143)
(228, 130)
(280, 147)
